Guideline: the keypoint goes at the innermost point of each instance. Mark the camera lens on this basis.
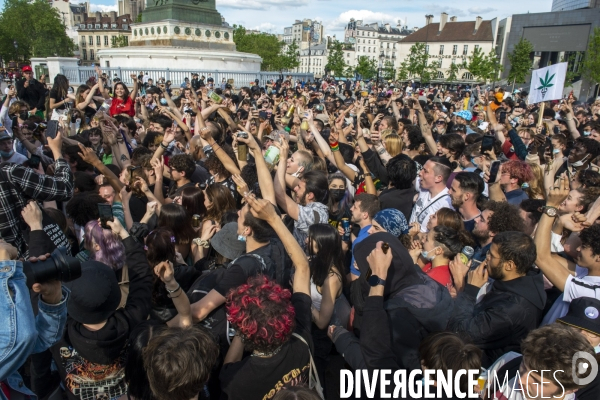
(59, 266)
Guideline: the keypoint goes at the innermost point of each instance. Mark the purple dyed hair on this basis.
(112, 251)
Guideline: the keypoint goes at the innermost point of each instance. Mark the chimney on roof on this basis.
(113, 16)
(428, 19)
(443, 21)
(387, 27)
(477, 24)
(359, 22)
(453, 19)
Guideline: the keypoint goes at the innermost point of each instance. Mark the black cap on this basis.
(584, 313)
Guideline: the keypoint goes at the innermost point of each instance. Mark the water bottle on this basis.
(466, 254)
(106, 105)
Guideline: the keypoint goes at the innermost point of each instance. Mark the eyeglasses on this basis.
(440, 122)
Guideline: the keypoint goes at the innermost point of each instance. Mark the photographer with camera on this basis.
(19, 185)
(23, 334)
(31, 91)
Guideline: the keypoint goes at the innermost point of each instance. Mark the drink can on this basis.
(215, 97)
(346, 226)
(304, 125)
(196, 221)
(272, 155)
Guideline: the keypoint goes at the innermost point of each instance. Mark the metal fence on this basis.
(80, 75)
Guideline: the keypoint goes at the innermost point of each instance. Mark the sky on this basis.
(273, 15)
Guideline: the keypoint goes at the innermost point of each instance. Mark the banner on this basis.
(547, 83)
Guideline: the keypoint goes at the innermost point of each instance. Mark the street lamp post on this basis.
(381, 57)
(16, 48)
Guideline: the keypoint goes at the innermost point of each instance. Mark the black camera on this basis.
(59, 267)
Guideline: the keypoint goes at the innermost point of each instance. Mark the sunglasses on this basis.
(440, 122)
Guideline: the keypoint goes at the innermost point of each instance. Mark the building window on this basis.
(125, 26)
(106, 40)
(454, 49)
(467, 76)
(90, 26)
(97, 26)
(427, 49)
(441, 50)
(453, 61)
(92, 55)
(91, 40)
(98, 42)
(126, 40)
(114, 26)
(83, 41)
(476, 47)
(84, 54)
(104, 26)
(465, 49)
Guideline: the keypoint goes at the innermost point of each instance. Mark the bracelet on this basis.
(334, 146)
(174, 297)
(173, 291)
(202, 242)
(163, 146)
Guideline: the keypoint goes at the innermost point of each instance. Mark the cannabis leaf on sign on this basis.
(546, 83)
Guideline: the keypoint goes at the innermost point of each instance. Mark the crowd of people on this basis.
(250, 243)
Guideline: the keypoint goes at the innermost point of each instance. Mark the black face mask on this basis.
(337, 194)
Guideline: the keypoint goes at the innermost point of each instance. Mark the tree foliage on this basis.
(37, 29)
(366, 67)
(520, 61)
(452, 73)
(591, 61)
(483, 67)
(388, 72)
(403, 71)
(335, 60)
(268, 47)
(119, 41)
(418, 65)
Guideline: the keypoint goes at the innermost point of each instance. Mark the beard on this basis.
(496, 273)
(481, 236)
(456, 202)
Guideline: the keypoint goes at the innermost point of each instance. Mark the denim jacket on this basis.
(20, 333)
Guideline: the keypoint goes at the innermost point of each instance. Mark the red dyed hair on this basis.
(262, 313)
(519, 170)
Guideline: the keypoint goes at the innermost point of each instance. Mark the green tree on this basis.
(119, 41)
(349, 72)
(366, 67)
(476, 64)
(290, 59)
(453, 73)
(520, 61)
(403, 72)
(493, 66)
(36, 27)
(418, 65)
(388, 72)
(591, 61)
(265, 45)
(139, 18)
(335, 60)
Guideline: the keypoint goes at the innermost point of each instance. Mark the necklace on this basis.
(268, 354)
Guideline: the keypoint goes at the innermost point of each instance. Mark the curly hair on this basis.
(215, 166)
(262, 312)
(551, 348)
(506, 217)
(83, 207)
(183, 163)
(590, 237)
(450, 240)
(519, 170)
(112, 250)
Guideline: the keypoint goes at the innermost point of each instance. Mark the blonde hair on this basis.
(536, 189)
(393, 144)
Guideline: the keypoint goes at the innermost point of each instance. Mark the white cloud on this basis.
(368, 17)
(481, 10)
(268, 28)
(261, 4)
(437, 9)
(102, 8)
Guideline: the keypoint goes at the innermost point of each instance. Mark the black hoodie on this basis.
(504, 316)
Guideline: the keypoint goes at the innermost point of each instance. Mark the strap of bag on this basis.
(430, 204)
(313, 376)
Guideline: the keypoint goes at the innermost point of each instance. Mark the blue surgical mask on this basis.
(428, 255)
(241, 238)
(597, 349)
(7, 154)
(163, 102)
(473, 161)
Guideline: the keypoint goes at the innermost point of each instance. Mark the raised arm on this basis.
(425, 128)
(88, 99)
(164, 271)
(552, 269)
(134, 92)
(283, 200)
(264, 176)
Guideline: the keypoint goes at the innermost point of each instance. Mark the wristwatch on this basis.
(550, 211)
(374, 280)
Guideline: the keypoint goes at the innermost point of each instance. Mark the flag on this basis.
(547, 83)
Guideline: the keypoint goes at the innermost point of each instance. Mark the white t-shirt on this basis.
(16, 158)
(576, 286)
(426, 206)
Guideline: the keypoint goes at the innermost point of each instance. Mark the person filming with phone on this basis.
(20, 184)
